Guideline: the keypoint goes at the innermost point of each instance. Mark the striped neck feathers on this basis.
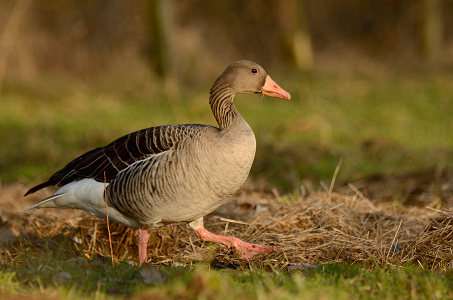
(221, 102)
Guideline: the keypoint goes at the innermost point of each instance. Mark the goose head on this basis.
(245, 76)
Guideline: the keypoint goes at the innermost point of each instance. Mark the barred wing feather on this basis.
(120, 154)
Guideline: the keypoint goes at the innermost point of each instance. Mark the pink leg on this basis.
(247, 250)
(142, 237)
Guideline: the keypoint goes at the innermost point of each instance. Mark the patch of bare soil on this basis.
(319, 227)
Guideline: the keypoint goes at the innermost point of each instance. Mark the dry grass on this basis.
(318, 228)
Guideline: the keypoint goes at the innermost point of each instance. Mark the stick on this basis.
(334, 178)
(394, 238)
(107, 215)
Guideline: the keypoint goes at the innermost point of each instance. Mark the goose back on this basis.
(120, 154)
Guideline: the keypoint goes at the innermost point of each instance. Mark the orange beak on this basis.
(270, 88)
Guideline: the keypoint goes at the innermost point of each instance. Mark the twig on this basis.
(93, 239)
(335, 174)
(357, 191)
(439, 210)
(233, 221)
(393, 241)
(361, 195)
(107, 215)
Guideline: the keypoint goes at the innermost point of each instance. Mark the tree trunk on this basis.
(432, 33)
(9, 33)
(294, 23)
(161, 32)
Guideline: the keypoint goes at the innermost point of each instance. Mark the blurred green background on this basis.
(371, 81)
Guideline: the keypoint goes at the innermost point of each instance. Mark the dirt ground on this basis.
(379, 221)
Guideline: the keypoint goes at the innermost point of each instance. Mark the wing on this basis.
(119, 154)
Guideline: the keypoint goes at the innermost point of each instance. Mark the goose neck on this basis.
(223, 109)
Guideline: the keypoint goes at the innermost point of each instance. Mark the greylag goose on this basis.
(170, 174)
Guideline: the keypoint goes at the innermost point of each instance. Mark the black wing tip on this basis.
(37, 188)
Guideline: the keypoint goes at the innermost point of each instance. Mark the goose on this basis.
(173, 173)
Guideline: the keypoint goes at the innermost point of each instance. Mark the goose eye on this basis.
(254, 71)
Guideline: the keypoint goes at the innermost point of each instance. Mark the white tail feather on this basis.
(85, 194)
(46, 201)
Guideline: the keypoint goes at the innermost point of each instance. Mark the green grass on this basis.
(37, 273)
(395, 124)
